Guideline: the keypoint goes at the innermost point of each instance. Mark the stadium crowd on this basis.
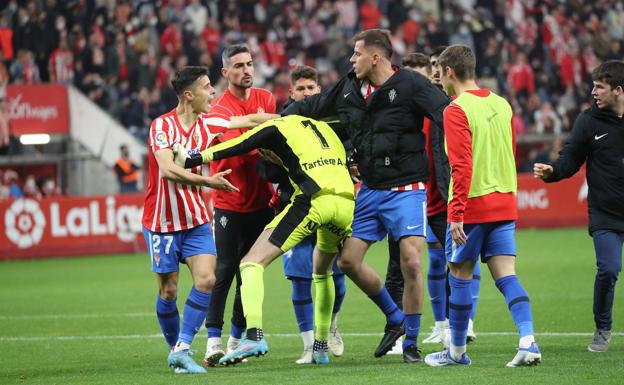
(121, 53)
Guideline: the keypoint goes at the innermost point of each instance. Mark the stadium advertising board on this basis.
(37, 109)
(73, 226)
(561, 204)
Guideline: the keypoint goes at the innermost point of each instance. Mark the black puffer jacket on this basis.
(386, 131)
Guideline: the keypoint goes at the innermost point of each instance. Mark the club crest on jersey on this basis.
(260, 110)
(392, 95)
(223, 221)
(161, 139)
(157, 259)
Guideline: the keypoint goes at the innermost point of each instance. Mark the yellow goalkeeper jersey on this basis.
(308, 149)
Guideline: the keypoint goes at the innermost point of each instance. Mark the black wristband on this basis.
(193, 161)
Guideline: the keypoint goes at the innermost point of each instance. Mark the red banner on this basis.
(70, 226)
(561, 204)
(38, 109)
(67, 226)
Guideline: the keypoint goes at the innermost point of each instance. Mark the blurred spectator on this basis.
(547, 120)
(49, 188)
(62, 63)
(370, 14)
(520, 77)
(24, 70)
(6, 38)
(11, 182)
(30, 189)
(127, 171)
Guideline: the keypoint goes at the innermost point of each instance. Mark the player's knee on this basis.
(346, 265)
(169, 292)
(412, 268)
(609, 273)
(205, 282)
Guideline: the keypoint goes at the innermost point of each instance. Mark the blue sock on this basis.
(169, 319)
(394, 316)
(195, 310)
(475, 287)
(518, 303)
(340, 287)
(436, 282)
(460, 305)
(236, 331)
(302, 302)
(213, 332)
(412, 328)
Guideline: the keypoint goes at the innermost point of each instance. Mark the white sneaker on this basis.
(306, 356)
(335, 344)
(232, 344)
(471, 336)
(437, 333)
(526, 357)
(397, 349)
(214, 351)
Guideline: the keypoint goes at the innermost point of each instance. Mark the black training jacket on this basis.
(386, 132)
(598, 139)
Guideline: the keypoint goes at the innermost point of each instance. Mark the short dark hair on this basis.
(186, 76)
(437, 51)
(610, 72)
(460, 59)
(304, 72)
(231, 51)
(379, 38)
(417, 60)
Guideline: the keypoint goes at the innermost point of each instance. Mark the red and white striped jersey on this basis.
(171, 206)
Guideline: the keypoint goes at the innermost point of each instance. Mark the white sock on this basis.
(457, 351)
(526, 341)
(308, 338)
(441, 324)
(214, 341)
(181, 346)
(334, 321)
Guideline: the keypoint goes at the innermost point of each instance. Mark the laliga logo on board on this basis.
(24, 222)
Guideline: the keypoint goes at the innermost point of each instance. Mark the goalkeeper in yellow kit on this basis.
(323, 202)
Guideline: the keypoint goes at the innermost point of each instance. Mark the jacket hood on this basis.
(603, 114)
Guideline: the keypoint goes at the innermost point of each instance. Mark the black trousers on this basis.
(234, 233)
(394, 276)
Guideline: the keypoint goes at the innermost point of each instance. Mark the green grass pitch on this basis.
(91, 321)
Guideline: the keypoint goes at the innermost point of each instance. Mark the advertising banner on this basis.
(560, 204)
(76, 226)
(71, 226)
(37, 109)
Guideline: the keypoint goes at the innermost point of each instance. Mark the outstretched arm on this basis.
(169, 170)
(251, 120)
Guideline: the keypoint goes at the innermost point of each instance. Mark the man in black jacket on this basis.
(598, 139)
(383, 109)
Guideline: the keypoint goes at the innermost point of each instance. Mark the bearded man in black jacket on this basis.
(382, 108)
(598, 139)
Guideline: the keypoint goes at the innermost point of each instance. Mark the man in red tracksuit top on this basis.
(239, 218)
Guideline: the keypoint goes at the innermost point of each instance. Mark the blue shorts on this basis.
(484, 239)
(167, 250)
(431, 237)
(298, 260)
(397, 213)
